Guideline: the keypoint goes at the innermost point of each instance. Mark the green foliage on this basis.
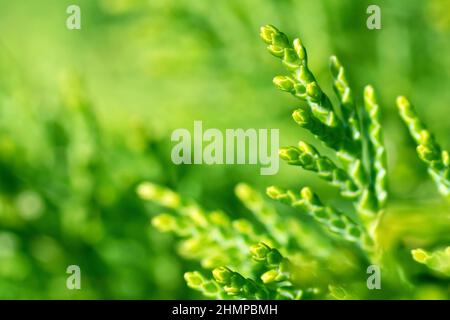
(376, 149)
(363, 176)
(307, 202)
(281, 255)
(66, 179)
(207, 287)
(70, 159)
(221, 245)
(438, 260)
(208, 236)
(438, 164)
(307, 157)
(429, 151)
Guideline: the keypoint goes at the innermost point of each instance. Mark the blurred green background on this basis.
(86, 115)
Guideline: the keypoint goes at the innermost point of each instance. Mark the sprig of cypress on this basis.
(429, 151)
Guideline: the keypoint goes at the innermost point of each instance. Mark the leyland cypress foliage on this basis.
(438, 260)
(274, 256)
(362, 177)
(438, 165)
(429, 151)
(223, 246)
